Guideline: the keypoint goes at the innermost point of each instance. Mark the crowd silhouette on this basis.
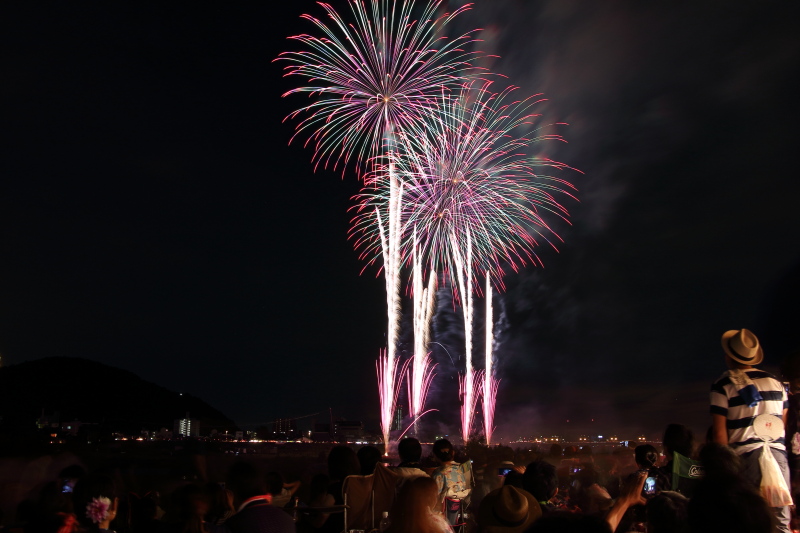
(741, 477)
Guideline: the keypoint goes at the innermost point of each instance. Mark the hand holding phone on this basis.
(649, 486)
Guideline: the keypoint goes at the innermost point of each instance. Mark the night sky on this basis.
(153, 218)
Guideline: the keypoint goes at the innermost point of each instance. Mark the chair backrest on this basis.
(384, 491)
(685, 474)
(453, 511)
(466, 469)
(368, 497)
(357, 492)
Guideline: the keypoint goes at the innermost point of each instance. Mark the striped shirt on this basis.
(725, 401)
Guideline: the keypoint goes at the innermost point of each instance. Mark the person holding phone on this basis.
(646, 457)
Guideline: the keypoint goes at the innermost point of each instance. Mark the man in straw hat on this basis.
(508, 510)
(740, 395)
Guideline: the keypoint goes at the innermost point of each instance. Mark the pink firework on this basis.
(489, 396)
(388, 394)
(372, 78)
(421, 369)
(489, 381)
(469, 390)
(375, 75)
(477, 193)
(477, 173)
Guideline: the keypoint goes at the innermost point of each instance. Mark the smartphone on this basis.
(576, 469)
(649, 486)
(504, 471)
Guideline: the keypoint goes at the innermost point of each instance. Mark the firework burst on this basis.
(470, 175)
(374, 76)
(476, 192)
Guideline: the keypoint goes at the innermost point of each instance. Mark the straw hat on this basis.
(742, 346)
(508, 509)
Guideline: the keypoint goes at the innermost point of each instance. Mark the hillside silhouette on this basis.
(89, 391)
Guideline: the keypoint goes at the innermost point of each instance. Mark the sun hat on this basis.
(508, 509)
(742, 346)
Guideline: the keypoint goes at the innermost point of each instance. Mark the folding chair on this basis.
(367, 497)
(466, 469)
(685, 474)
(454, 513)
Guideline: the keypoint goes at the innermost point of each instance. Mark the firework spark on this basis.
(490, 383)
(373, 76)
(390, 241)
(422, 367)
(489, 394)
(471, 172)
(464, 280)
(476, 195)
(469, 391)
(387, 393)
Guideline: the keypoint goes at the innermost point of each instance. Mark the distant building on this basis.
(285, 429)
(397, 422)
(349, 430)
(71, 428)
(322, 433)
(187, 427)
(48, 421)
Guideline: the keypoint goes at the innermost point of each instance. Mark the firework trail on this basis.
(390, 241)
(490, 383)
(464, 279)
(469, 390)
(422, 367)
(470, 172)
(373, 78)
(378, 73)
(387, 393)
(476, 195)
